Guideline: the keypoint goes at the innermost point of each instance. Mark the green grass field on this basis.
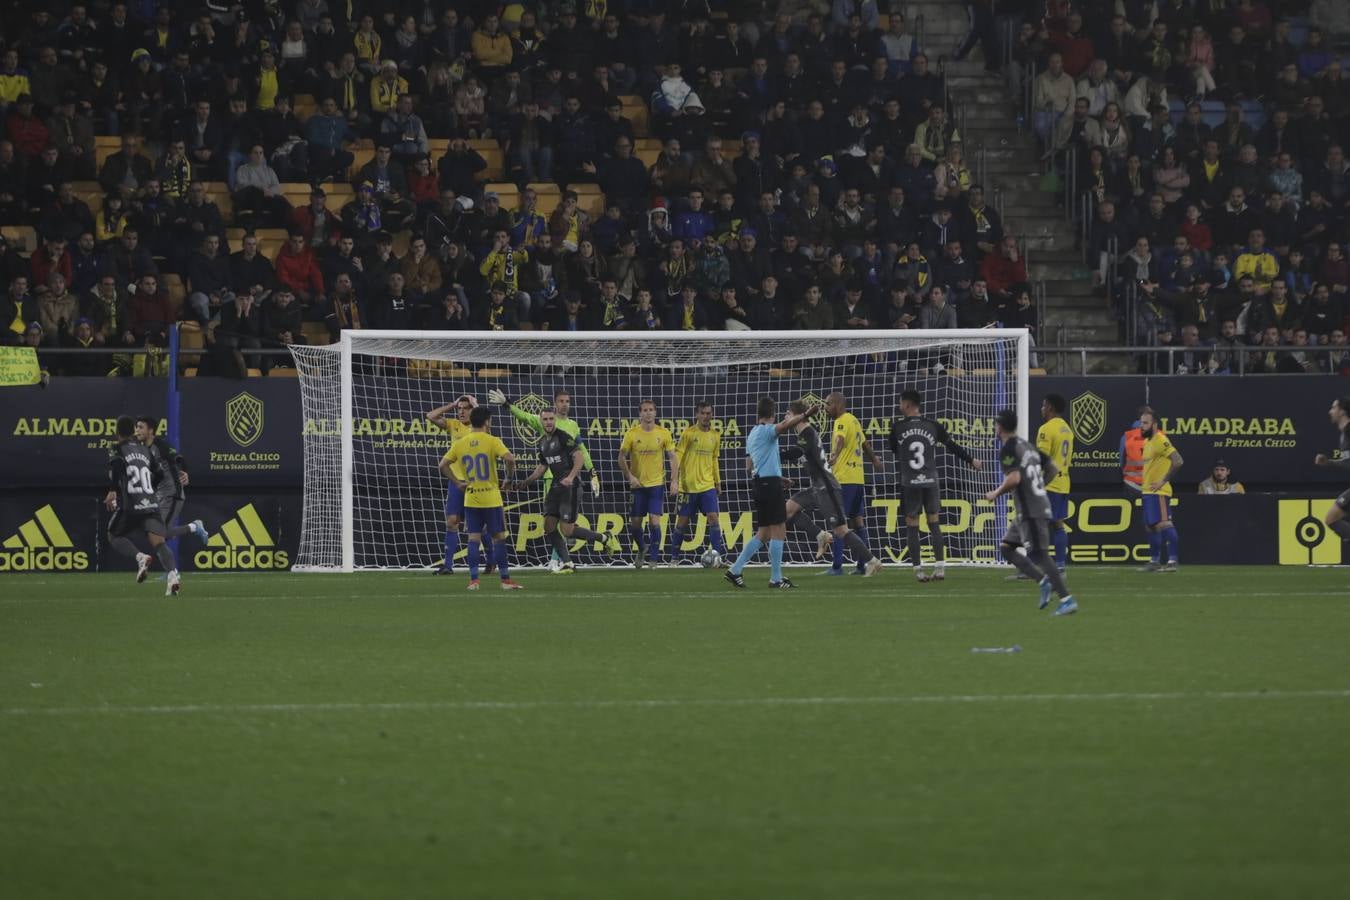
(657, 735)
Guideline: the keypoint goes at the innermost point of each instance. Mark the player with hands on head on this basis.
(700, 454)
(1339, 415)
(456, 427)
(472, 464)
(913, 441)
(822, 495)
(1025, 470)
(561, 457)
(642, 462)
(848, 447)
(766, 467)
(131, 498)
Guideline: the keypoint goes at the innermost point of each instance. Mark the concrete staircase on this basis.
(989, 108)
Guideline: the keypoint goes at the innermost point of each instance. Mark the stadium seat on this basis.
(316, 333)
(636, 112)
(255, 373)
(22, 238)
(494, 373)
(589, 198)
(283, 372)
(304, 106)
(190, 372)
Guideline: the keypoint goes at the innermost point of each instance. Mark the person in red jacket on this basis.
(50, 257)
(1004, 269)
(25, 130)
(320, 226)
(149, 314)
(298, 269)
(1073, 45)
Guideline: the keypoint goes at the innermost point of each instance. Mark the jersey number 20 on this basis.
(138, 481)
(476, 467)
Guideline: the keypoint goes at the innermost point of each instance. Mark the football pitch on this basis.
(661, 735)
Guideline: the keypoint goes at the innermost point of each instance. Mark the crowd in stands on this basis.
(600, 165)
(1208, 143)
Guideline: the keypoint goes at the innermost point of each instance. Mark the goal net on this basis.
(374, 497)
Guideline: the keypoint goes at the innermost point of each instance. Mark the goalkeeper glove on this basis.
(497, 397)
(595, 484)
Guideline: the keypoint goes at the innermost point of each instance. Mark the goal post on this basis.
(374, 498)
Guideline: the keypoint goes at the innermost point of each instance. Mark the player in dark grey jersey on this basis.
(170, 490)
(914, 440)
(561, 458)
(822, 496)
(1339, 414)
(131, 499)
(1025, 472)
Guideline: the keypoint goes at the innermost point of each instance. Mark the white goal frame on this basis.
(898, 340)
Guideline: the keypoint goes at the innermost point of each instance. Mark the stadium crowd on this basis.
(289, 170)
(1207, 141)
(470, 165)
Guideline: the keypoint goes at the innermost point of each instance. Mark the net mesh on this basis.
(398, 494)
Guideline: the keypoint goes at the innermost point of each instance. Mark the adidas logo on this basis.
(42, 545)
(242, 543)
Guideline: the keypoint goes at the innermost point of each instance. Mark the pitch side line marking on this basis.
(519, 705)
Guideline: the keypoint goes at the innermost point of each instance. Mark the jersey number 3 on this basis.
(916, 455)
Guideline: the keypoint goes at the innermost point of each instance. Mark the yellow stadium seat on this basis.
(284, 372)
(255, 373)
(190, 372)
(315, 333)
(494, 373)
(22, 238)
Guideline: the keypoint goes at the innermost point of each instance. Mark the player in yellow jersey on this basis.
(454, 497)
(1055, 440)
(1161, 462)
(848, 446)
(643, 467)
(700, 454)
(471, 464)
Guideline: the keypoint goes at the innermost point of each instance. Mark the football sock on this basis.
(123, 546)
(1020, 561)
(178, 531)
(165, 557)
(856, 546)
(861, 532)
(837, 553)
(775, 560)
(654, 541)
(559, 544)
(1047, 567)
(451, 547)
(1171, 543)
(676, 539)
(1060, 538)
(1342, 527)
(715, 535)
(939, 543)
(1154, 545)
(585, 534)
(747, 553)
(912, 538)
(639, 538)
(499, 556)
(487, 548)
(475, 549)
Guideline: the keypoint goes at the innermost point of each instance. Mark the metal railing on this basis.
(1245, 360)
(1070, 181)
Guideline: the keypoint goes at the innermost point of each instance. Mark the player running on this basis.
(471, 464)
(1161, 463)
(1055, 440)
(822, 494)
(131, 498)
(454, 497)
(561, 458)
(913, 441)
(1339, 414)
(169, 489)
(766, 468)
(644, 469)
(848, 446)
(700, 454)
(1024, 471)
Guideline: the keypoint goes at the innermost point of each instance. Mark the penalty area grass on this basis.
(659, 734)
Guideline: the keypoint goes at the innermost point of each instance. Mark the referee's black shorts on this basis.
(770, 504)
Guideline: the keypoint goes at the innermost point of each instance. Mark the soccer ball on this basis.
(710, 559)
